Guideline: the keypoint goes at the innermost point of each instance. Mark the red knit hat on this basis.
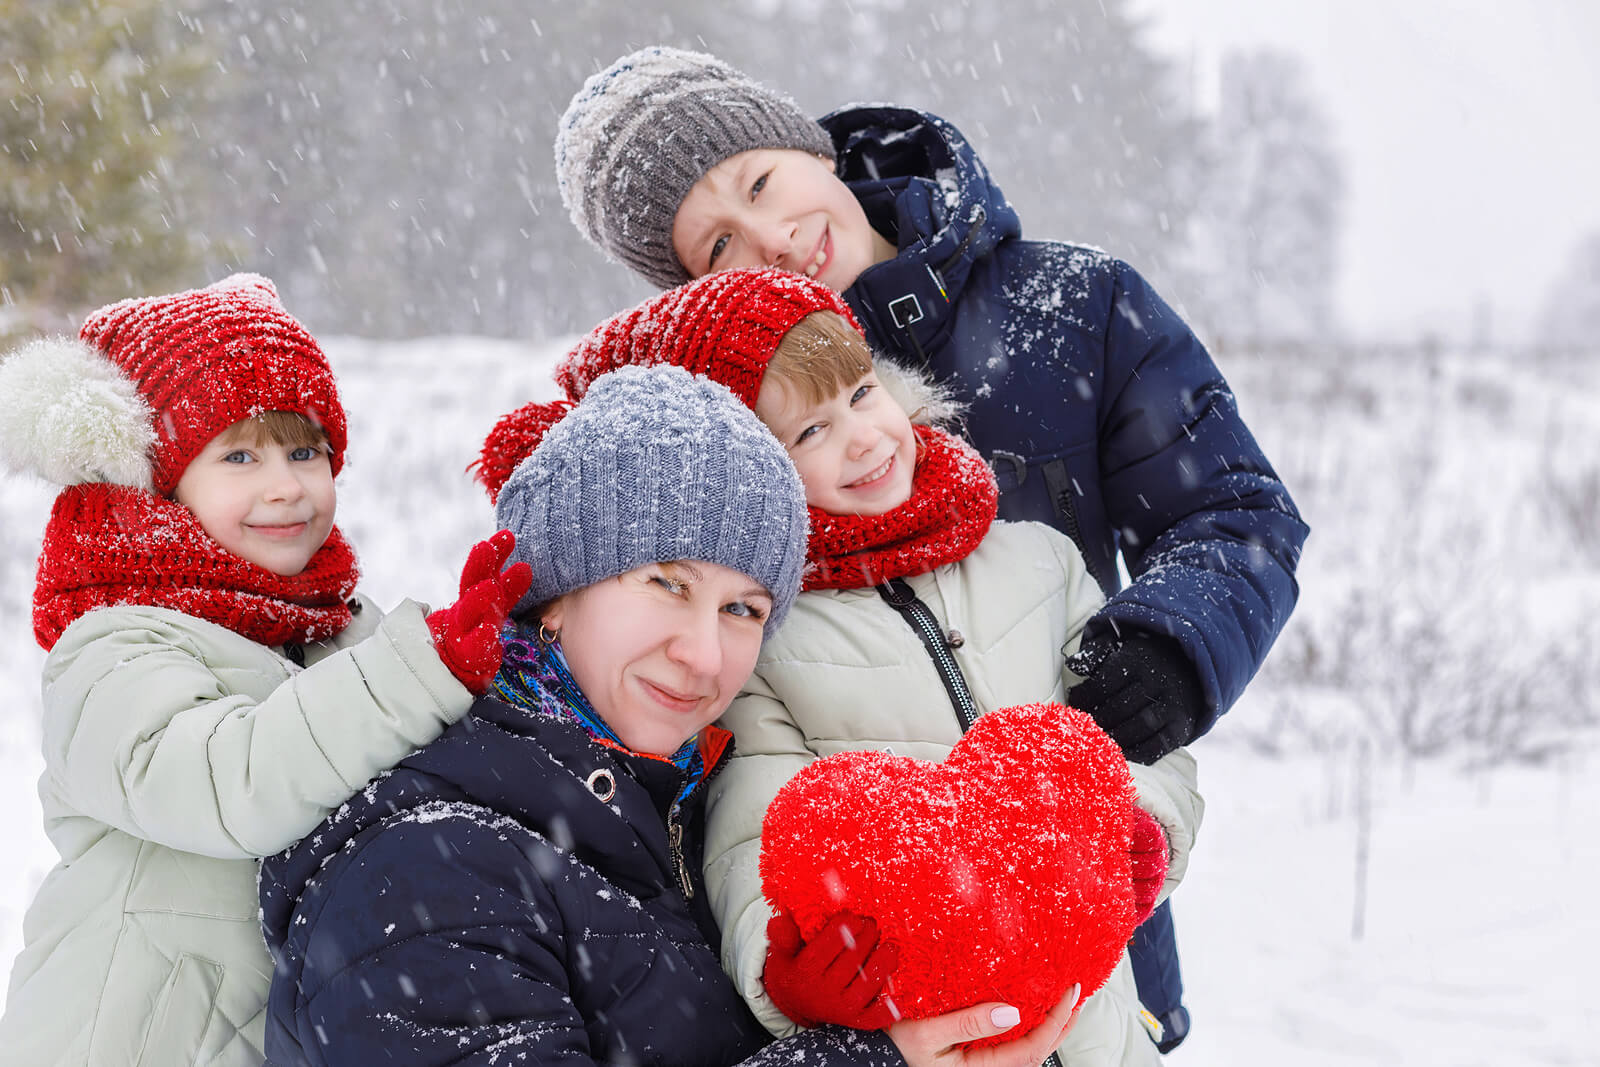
(207, 358)
(725, 326)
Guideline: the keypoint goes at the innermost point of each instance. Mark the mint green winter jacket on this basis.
(177, 753)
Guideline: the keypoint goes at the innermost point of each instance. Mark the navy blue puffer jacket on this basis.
(1099, 409)
(482, 903)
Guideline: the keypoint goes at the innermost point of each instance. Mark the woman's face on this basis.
(662, 650)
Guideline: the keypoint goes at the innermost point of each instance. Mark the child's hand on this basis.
(836, 977)
(467, 633)
(1149, 854)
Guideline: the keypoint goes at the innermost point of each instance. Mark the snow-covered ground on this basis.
(1445, 594)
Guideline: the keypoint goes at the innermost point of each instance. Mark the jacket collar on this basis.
(917, 177)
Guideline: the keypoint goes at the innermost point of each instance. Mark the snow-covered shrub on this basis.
(1447, 594)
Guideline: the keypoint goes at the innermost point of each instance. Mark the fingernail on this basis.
(1005, 1016)
(1075, 992)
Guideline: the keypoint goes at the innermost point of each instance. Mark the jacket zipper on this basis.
(899, 596)
(675, 847)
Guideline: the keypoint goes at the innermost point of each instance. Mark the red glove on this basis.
(836, 977)
(467, 633)
(1148, 851)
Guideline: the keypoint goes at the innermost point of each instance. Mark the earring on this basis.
(546, 635)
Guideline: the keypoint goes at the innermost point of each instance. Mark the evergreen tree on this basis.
(94, 145)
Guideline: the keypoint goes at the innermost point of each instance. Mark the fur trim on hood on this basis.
(928, 402)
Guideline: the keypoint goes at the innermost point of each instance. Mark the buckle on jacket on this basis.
(905, 310)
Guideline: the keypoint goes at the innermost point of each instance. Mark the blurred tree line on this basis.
(388, 162)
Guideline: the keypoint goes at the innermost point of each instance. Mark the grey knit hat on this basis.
(655, 465)
(639, 134)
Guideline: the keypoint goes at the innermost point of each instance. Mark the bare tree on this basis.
(1267, 233)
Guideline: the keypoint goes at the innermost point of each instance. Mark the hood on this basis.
(918, 179)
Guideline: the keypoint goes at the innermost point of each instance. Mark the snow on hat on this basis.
(655, 465)
(640, 133)
(725, 326)
(150, 382)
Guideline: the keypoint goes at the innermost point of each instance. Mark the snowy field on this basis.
(1376, 882)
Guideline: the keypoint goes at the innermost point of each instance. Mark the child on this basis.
(909, 510)
(213, 688)
(1100, 412)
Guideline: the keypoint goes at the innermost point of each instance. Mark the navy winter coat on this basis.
(482, 904)
(1099, 409)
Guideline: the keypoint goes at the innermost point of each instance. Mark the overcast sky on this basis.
(1470, 133)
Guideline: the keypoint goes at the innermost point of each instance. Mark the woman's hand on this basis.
(937, 1041)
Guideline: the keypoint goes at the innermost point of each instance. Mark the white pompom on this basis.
(68, 415)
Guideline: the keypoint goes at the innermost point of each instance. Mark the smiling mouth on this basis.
(284, 532)
(876, 474)
(671, 698)
(819, 260)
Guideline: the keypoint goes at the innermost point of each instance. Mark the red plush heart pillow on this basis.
(1001, 873)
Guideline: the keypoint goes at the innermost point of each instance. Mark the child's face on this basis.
(855, 451)
(269, 503)
(776, 207)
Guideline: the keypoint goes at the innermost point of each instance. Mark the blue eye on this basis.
(238, 455)
(860, 392)
(747, 610)
(304, 453)
(800, 439)
(718, 248)
(760, 184)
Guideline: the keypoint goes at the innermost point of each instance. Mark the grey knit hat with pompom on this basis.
(656, 465)
(640, 133)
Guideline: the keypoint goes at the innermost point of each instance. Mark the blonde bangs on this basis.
(287, 428)
(820, 355)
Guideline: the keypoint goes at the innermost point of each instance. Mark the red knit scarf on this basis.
(112, 544)
(952, 504)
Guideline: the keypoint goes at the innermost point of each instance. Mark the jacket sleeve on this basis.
(1169, 790)
(770, 749)
(1211, 535)
(435, 941)
(147, 727)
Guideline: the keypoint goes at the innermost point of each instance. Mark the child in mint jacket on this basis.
(213, 687)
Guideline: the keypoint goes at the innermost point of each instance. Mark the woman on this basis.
(527, 888)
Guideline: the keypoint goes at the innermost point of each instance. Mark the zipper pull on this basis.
(675, 842)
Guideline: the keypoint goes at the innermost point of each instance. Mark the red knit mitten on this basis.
(836, 977)
(467, 633)
(1148, 851)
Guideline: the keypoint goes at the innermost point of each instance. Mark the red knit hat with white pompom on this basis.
(208, 358)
